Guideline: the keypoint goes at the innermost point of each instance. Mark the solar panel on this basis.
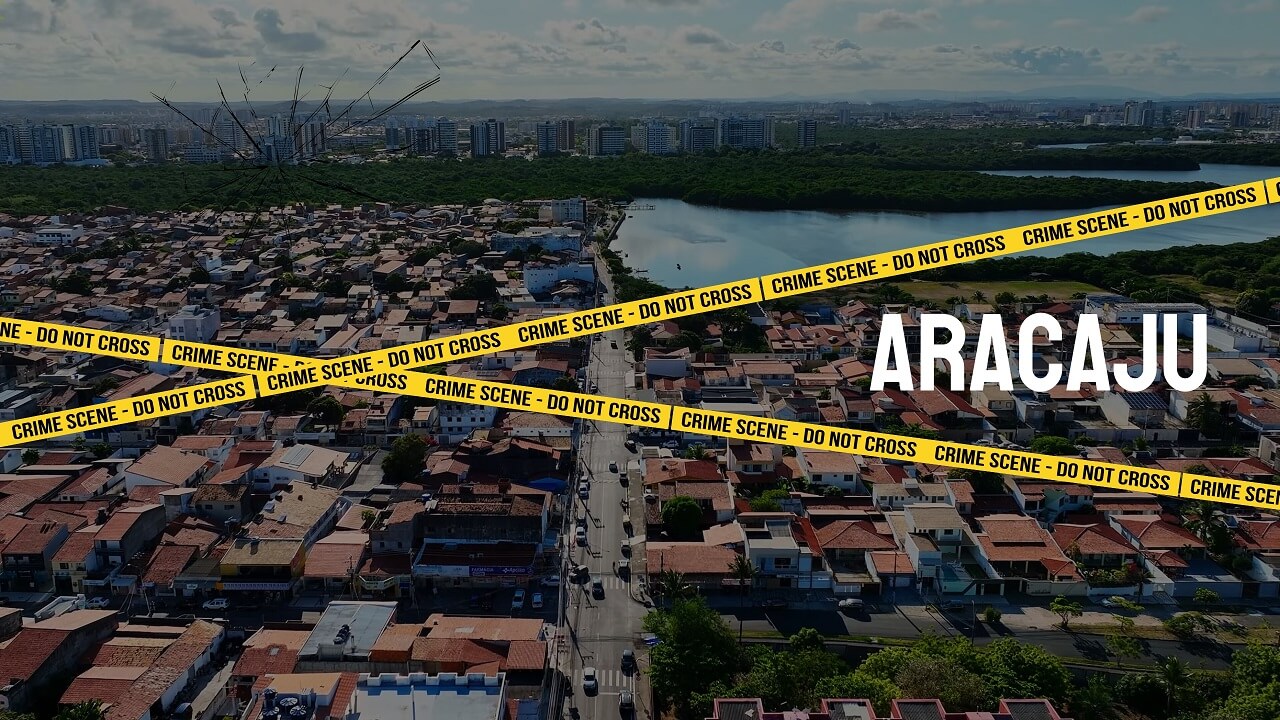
(297, 455)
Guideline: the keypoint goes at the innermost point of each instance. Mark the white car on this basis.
(584, 491)
(581, 537)
(216, 604)
(671, 444)
(590, 683)
(98, 603)
(536, 603)
(551, 581)
(517, 600)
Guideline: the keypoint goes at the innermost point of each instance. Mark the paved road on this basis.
(604, 626)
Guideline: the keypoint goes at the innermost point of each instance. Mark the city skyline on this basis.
(126, 49)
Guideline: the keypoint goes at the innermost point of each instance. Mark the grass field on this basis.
(938, 291)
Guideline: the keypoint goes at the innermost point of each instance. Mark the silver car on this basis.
(590, 683)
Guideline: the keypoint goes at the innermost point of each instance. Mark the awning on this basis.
(256, 585)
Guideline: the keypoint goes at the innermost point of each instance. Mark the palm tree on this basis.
(671, 586)
(1201, 518)
(1203, 414)
(1173, 673)
(86, 710)
(742, 570)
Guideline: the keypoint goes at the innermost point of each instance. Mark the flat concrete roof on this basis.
(475, 697)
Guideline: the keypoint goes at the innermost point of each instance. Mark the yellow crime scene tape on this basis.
(274, 374)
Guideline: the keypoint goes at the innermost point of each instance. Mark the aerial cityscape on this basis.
(361, 245)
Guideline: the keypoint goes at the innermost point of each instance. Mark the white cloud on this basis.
(796, 13)
(890, 19)
(586, 32)
(704, 36)
(988, 23)
(1147, 14)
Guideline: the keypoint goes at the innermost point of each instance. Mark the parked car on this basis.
(98, 603)
(671, 444)
(622, 478)
(216, 604)
(850, 604)
(517, 600)
(613, 344)
(581, 536)
(584, 490)
(590, 685)
(581, 571)
(536, 602)
(952, 605)
(630, 445)
(775, 603)
(550, 581)
(624, 568)
(594, 388)
(625, 548)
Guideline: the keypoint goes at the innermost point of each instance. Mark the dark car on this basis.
(628, 659)
(775, 603)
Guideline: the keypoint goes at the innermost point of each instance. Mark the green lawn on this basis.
(938, 291)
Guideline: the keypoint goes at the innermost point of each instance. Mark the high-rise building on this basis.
(654, 138)
(446, 135)
(8, 144)
(47, 144)
(156, 141)
(547, 135)
(1148, 114)
(755, 132)
(421, 140)
(697, 136)
(86, 143)
(606, 140)
(394, 139)
(488, 138)
(1132, 113)
(566, 135)
(1195, 118)
(310, 139)
(806, 131)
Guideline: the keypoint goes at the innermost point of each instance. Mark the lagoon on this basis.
(716, 245)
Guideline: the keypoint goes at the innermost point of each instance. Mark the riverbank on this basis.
(812, 180)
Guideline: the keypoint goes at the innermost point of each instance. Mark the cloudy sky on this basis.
(89, 49)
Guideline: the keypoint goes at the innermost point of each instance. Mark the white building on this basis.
(570, 210)
(540, 278)
(194, 324)
(58, 234)
(655, 138)
(454, 422)
(299, 464)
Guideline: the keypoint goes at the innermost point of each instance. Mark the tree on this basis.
(744, 572)
(1253, 302)
(979, 296)
(806, 638)
(1173, 673)
(1094, 701)
(641, 338)
(959, 689)
(30, 456)
(404, 462)
(327, 410)
(671, 586)
(564, 383)
(991, 615)
(477, 286)
(367, 516)
(1206, 596)
(1123, 646)
(694, 452)
(682, 517)
(1203, 414)
(984, 482)
(499, 312)
(879, 691)
(1203, 520)
(1006, 298)
(1053, 445)
(85, 710)
(101, 450)
(695, 649)
(1066, 609)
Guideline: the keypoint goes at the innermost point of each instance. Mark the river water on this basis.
(715, 245)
